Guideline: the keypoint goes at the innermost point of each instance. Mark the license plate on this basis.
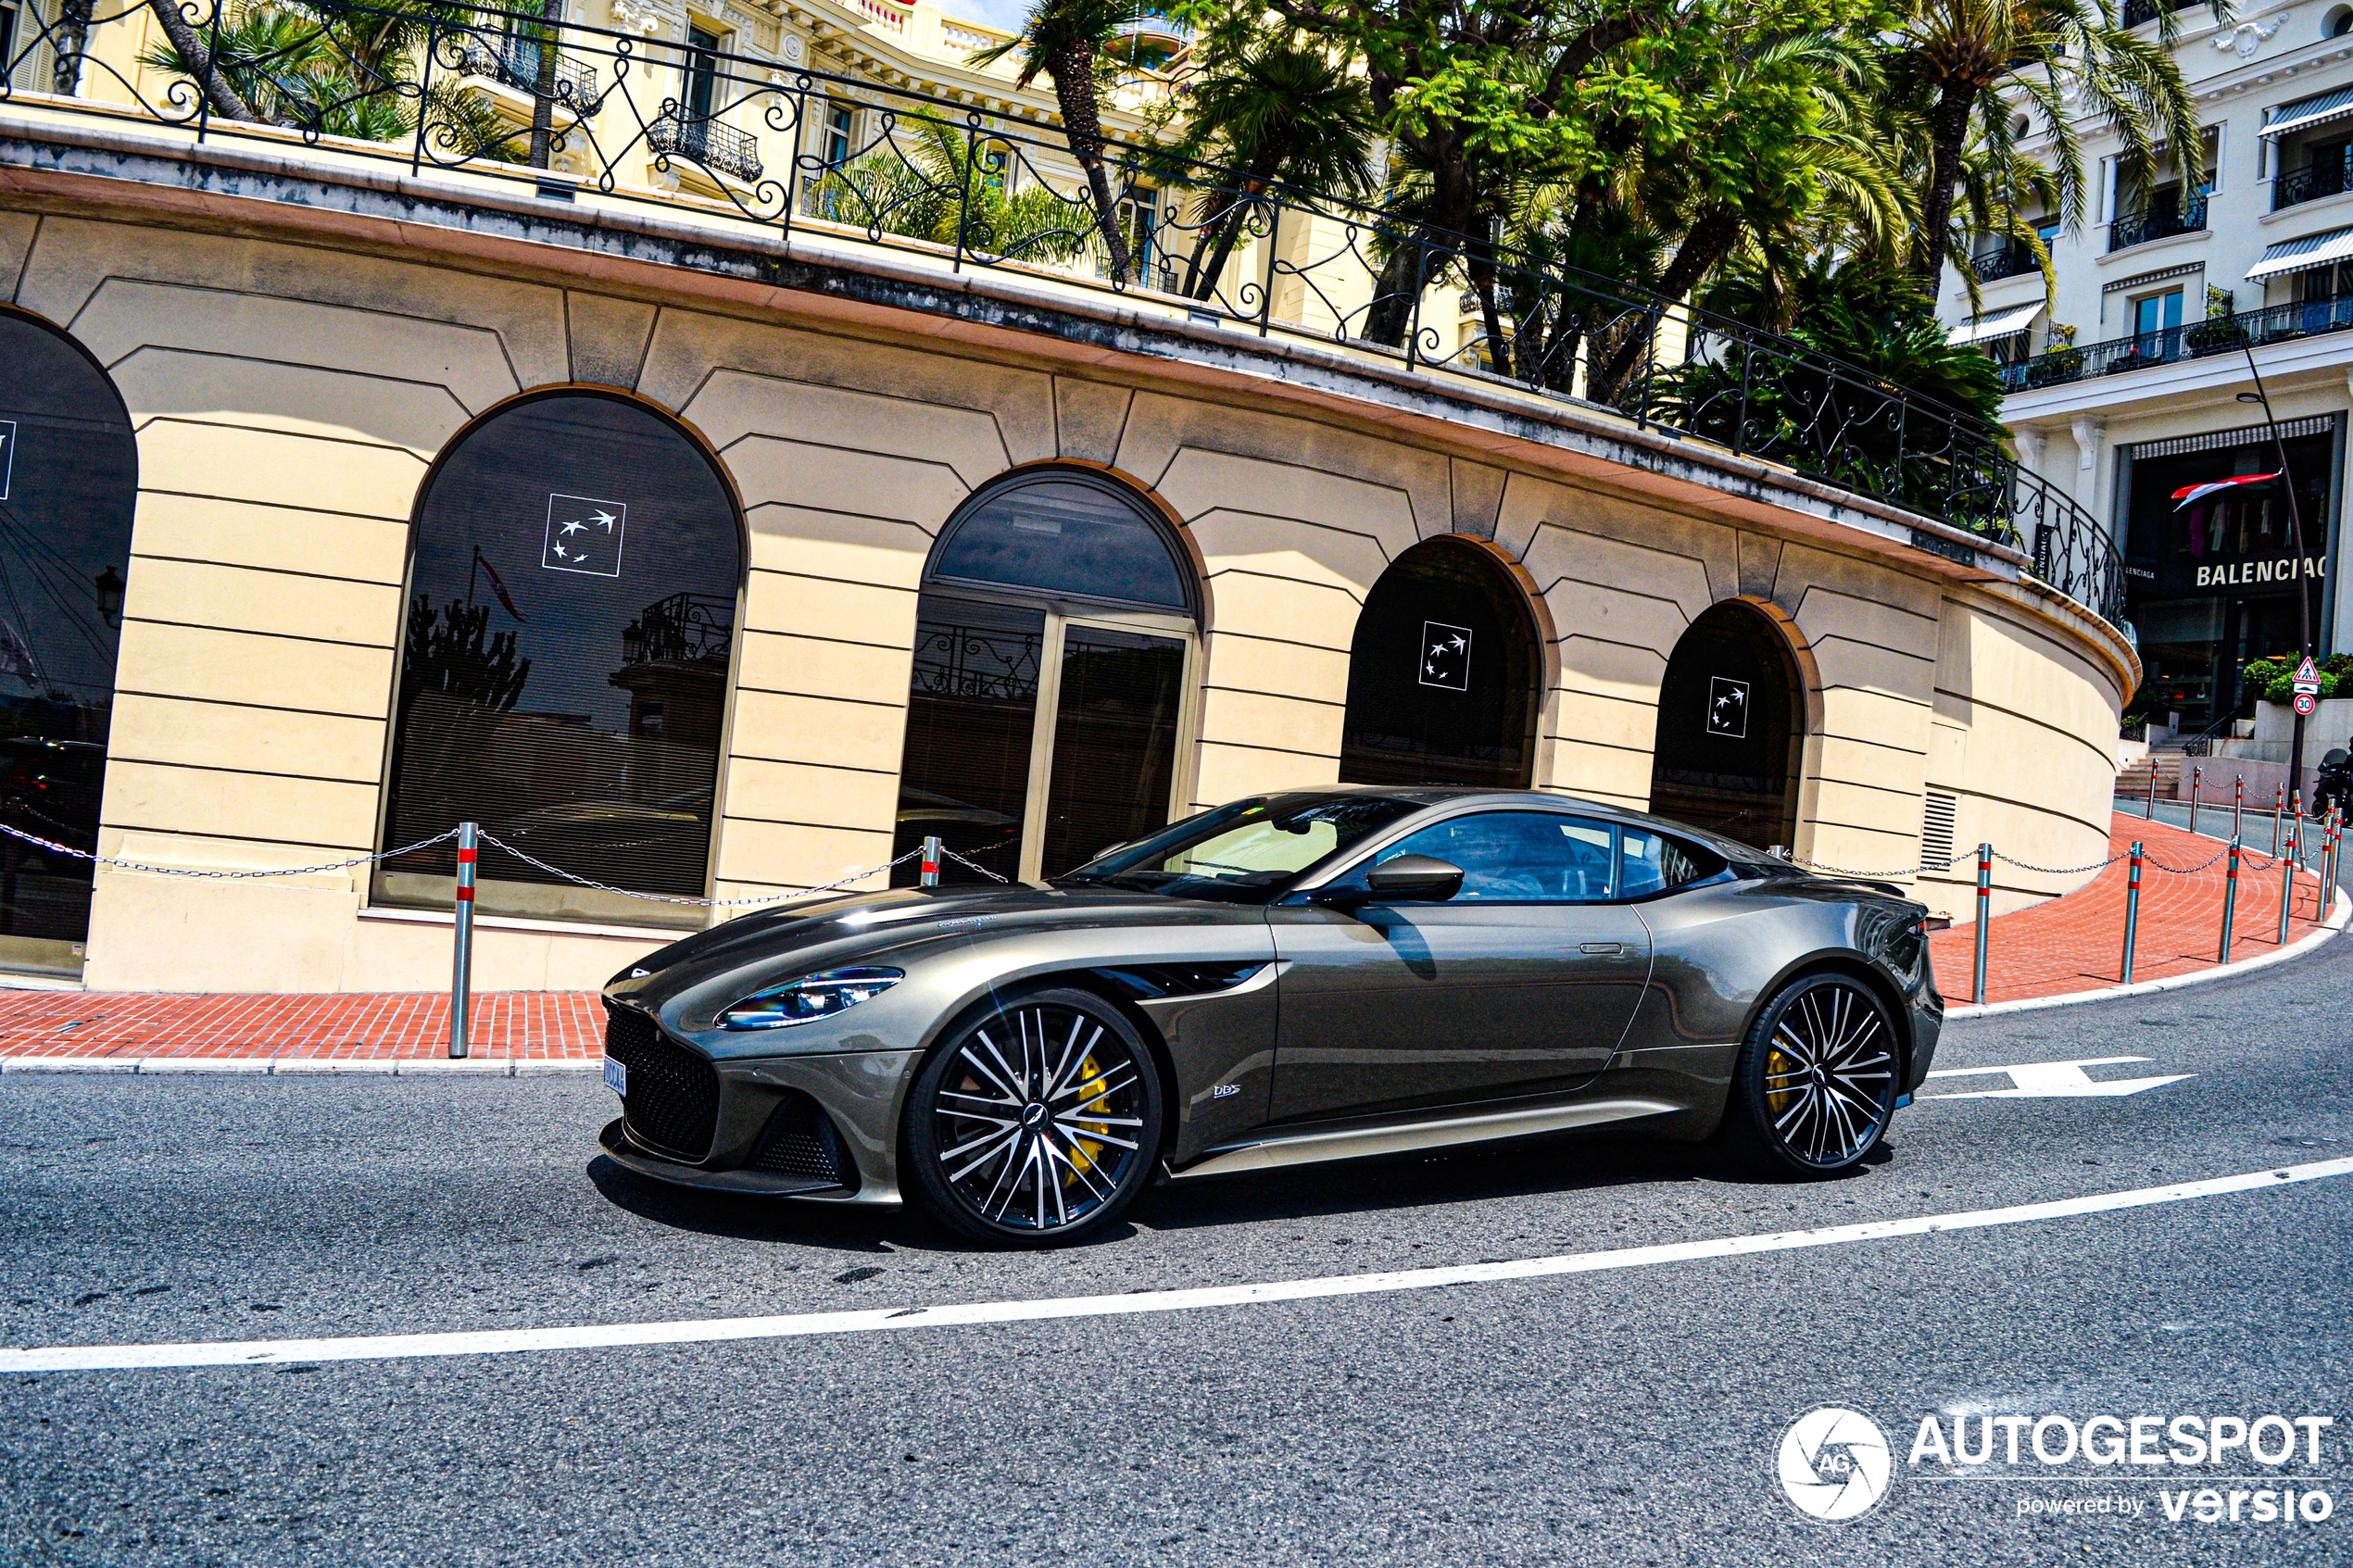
(617, 1076)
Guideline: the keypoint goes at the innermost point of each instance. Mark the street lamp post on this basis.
(2296, 533)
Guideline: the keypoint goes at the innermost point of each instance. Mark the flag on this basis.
(2189, 493)
(496, 586)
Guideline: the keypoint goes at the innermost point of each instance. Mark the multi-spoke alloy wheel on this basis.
(1035, 1122)
(1817, 1078)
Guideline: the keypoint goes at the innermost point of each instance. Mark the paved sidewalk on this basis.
(2077, 943)
(2068, 944)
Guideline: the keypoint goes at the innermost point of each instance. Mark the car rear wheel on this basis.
(1816, 1082)
(1034, 1123)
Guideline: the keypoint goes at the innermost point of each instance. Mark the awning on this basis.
(2000, 324)
(2324, 106)
(2301, 256)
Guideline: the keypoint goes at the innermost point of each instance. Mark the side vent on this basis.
(1936, 828)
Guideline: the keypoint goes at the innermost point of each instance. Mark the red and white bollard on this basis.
(2230, 901)
(2132, 913)
(931, 862)
(461, 976)
(1984, 919)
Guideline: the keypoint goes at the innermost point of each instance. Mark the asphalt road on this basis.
(1631, 1416)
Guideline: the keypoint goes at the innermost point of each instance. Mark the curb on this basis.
(299, 1067)
(2340, 912)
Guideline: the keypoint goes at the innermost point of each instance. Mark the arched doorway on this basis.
(1055, 643)
(68, 484)
(1442, 674)
(1730, 726)
(576, 564)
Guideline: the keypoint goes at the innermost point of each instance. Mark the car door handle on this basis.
(1601, 947)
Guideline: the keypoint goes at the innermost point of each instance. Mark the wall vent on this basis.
(1936, 829)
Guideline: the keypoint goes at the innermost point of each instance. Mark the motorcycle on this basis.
(2335, 786)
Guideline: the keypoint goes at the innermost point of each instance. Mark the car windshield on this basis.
(1245, 850)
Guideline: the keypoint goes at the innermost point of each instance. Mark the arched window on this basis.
(564, 675)
(1731, 725)
(69, 481)
(1442, 674)
(1055, 644)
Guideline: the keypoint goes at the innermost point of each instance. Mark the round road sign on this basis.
(2305, 702)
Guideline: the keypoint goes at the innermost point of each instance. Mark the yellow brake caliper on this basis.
(1083, 1150)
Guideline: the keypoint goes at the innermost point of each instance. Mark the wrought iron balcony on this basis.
(2156, 222)
(682, 629)
(2058, 367)
(2322, 177)
(515, 61)
(2005, 261)
(717, 148)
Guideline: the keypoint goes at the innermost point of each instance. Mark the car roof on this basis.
(1443, 795)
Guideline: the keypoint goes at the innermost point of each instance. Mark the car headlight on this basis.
(800, 1001)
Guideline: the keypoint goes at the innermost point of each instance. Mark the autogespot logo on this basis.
(1834, 1464)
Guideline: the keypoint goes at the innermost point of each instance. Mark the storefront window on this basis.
(1054, 648)
(1442, 674)
(69, 481)
(2212, 584)
(564, 675)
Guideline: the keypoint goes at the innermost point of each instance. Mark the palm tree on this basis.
(1967, 67)
(1067, 41)
(1269, 108)
(951, 191)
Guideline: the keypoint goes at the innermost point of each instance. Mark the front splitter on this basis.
(615, 1142)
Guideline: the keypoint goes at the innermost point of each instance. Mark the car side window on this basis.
(1521, 857)
(1651, 862)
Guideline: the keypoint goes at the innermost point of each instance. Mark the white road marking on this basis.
(492, 1342)
(2055, 1080)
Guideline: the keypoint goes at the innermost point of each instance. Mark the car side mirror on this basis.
(1417, 877)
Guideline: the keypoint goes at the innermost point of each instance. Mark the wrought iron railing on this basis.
(969, 661)
(2058, 367)
(2004, 261)
(514, 60)
(1250, 256)
(2158, 222)
(2321, 177)
(707, 141)
(682, 629)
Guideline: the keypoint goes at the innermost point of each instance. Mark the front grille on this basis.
(673, 1104)
(802, 1140)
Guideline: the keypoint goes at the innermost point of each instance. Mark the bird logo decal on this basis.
(1726, 707)
(584, 534)
(1445, 656)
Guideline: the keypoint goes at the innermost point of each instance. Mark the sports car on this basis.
(1313, 976)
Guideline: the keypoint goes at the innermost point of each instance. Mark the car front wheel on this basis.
(1816, 1082)
(1034, 1123)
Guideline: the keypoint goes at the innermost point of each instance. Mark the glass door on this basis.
(1110, 758)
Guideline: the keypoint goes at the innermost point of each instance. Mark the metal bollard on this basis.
(2298, 840)
(2152, 810)
(462, 969)
(2287, 890)
(2278, 805)
(2198, 781)
(931, 861)
(2238, 803)
(1984, 918)
(2132, 913)
(2230, 901)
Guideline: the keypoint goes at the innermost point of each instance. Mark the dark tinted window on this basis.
(1651, 862)
(68, 480)
(1519, 857)
(564, 675)
(1249, 847)
(1066, 535)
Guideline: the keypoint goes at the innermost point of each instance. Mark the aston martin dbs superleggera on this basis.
(1306, 977)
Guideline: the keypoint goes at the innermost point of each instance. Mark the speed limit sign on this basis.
(2304, 703)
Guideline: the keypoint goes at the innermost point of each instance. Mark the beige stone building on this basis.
(710, 559)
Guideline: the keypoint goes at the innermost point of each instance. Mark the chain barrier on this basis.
(222, 876)
(974, 865)
(489, 837)
(1946, 865)
(2060, 871)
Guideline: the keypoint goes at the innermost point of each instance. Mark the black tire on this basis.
(1815, 1085)
(1035, 1123)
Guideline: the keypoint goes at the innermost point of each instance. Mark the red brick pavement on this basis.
(504, 1025)
(2070, 943)
(2077, 943)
